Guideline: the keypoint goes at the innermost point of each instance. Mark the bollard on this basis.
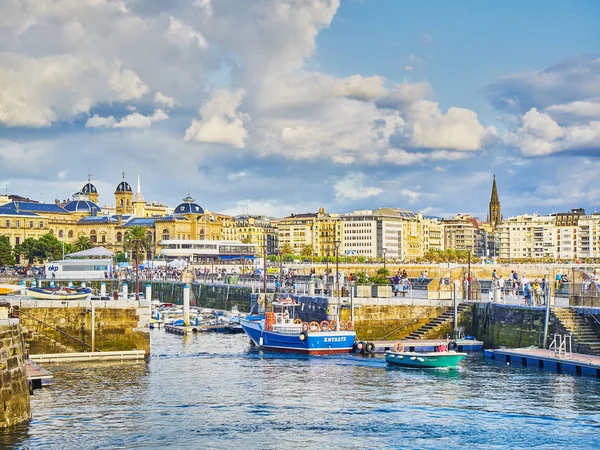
(149, 292)
(186, 305)
(39, 283)
(83, 284)
(311, 288)
(71, 284)
(103, 289)
(52, 284)
(125, 291)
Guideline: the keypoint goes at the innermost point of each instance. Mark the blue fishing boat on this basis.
(281, 330)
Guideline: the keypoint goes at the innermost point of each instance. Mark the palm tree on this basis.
(286, 249)
(82, 243)
(137, 240)
(307, 252)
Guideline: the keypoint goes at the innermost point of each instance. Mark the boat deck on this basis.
(192, 329)
(574, 363)
(38, 376)
(427, 345)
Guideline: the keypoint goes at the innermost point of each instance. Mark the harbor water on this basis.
(215, 391)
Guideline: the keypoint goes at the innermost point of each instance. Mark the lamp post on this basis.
(327, 271)
(384, 252)
(337, 281)
(280, 268)
(469, 277)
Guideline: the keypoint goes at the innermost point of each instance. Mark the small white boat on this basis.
(58, 293)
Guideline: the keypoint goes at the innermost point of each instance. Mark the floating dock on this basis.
(427, 345)
(572, 363)
(57, 358)
(38, 376)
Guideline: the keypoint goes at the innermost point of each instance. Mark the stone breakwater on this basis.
(14, 388)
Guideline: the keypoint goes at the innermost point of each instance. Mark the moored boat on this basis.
(61, 293)
(445, 356)
(280, 330)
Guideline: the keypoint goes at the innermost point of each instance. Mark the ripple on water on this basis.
(215, 391)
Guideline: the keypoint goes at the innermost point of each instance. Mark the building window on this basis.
(41, 224)
(18, 222)
(103, 238)
(93, 237)
(60, 233)
(70, 234)
(31, 224)
(119, 237)
(17, 240)
(8, 224)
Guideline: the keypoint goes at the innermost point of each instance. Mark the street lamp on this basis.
(384, 252)
(337, 281)
(265, 273)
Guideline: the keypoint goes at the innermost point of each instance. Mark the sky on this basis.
(285, 106)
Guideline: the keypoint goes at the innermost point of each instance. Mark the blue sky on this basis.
(281, 106)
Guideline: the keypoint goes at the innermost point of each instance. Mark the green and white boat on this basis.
(425, 360)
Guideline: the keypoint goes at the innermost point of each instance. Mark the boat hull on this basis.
(40, 294)
(315, 343)
(425, 360)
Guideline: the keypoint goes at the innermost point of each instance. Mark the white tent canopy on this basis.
(96, 252)
(178, 264)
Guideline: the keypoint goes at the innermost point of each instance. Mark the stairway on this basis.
(444, 319)
(37, 342)
(585, 339)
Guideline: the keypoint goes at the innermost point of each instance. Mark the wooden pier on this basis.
(38, 376)
(57, 358)
(427, 345)
(573, 363)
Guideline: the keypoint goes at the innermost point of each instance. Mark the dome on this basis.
(82, 206)
(89, 188)
(189, 207)
(124, 187)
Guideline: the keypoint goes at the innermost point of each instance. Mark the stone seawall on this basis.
(53, 326)
(14, 388)
(508, 325)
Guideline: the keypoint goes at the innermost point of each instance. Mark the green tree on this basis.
(247, 240)
(286, 249)
(49, 247)
(82, 243)
(27, 249)
(137, 241)
(7, 258)
(121, 257)
(307, 252)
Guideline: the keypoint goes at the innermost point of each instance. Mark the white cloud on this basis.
(409, 68)
(582, 109)
(360, 88)
(133, 120)
(164, 100)
(37, 92)
(540, 135)
(352, 187)
(458, 129)
(221, 120)
(183, 34)
(62, 175)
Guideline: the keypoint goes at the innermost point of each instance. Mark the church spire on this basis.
(494, 215)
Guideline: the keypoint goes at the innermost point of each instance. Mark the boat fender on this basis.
(349, 326)
(370, 348)
(452, 346)
(324, 325)
(360, 347)
(303, 336)
(399, 347)
(314, 326)
(305, 326)
(297, 321)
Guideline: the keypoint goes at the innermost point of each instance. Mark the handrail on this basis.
(411, 321)
(56, 329)
(590, 313)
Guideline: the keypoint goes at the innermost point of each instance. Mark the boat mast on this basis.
(265, 273)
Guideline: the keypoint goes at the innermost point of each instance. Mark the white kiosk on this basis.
(93, 264)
